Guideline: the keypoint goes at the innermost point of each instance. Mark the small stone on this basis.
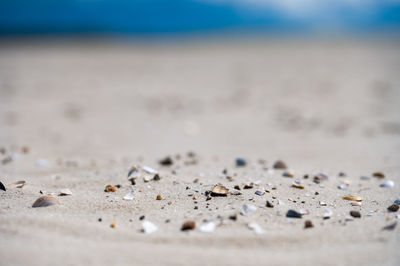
(248, 186)
(233, 217)
(293, 214)
(308, 224)
(393, 208)
(357, 204)
(236, 187)
(379, 175)
(259, 192)
(280, 165)
(196, 180)
(141, 218)
(322, 203)
(110, 188)
(25, 149)
(342, 174)
(100, 220)
(269, 204)
(2, 187)
(156, 177)
(112, 225)
(159, 197)
(188, 225)
(167, 161)
(387, 184)
(7, 160)
(355, 214)
(343, 187)
(240, 162)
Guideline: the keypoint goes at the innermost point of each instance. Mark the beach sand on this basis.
(90, 110)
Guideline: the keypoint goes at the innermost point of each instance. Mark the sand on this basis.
(90, 110)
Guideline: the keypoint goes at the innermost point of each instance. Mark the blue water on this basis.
(138, 17)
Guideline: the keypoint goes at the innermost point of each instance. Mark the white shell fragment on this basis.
(327, 214)
(149, 170)
(256, 228)
(387, 184)
(130, 195)
(348, 219)
(207, 227)
(247, 208)
(322, 203)
(18, 184)
(148, 227)
(397, 201)
(260, 192)
(343, 187)
(65, 192)
(134, 173)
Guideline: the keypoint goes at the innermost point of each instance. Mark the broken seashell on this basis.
(248, 185)
(353, 197)
(288, 173)
(207, 227)
(259, 192)
(343, 186)
(18, 184)
(65, 192)
(148, 227)
(304, 211)
(358, 204)
(45, 201)
(327, 214)
(159, 197)
(219, 191)
(2, 187)
(134, 173)
(149, 170)
(387, 184)
(256, 228)
(322, 203)
(247, 209)
(298, 184)
(280, 165)
(110, 188)
(390, 226)
(348, 219)
(130, 195)
(188, 225)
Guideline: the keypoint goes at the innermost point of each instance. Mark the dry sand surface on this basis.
(89, 111)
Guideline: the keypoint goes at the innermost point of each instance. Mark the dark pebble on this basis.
(355, 214)
(99, 219)
(141, 218)
(269, 204)
(156, 177)
(280, 165)
(293, 214)
(233, 217)
(189, 225)
(308, 224)
(393, 208)
(2, 187)
(240, 162)
(390, 227)
(167, 161)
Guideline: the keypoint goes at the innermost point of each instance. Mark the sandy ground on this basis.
(91, 110)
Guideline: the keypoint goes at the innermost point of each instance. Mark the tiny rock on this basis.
(393, 208)
(269, 204)
(308, 224)
(288, 173)
(387, 184)
(293, 214)
(390, 227)
(110, 188)
(188, 225)
(379, 175)
(167, 161)
(280, 165)
(240, 162)
(159, 197)
(219, 191)
(112, 225)
(2, 187)
(65, 192)
(355, 214)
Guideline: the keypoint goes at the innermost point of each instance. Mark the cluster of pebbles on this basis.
(229, 188)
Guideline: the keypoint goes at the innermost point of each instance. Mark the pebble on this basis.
(256, 228)
(149, 170)
(322, 203)
(357, 204)
(2, 187)
(247, 209)
(348, 219)
(355, 214)
(188, 225)
(159, 197)
(130, 195)
(393, 208)
(65, 192)
(240, 162)
(379, 175)
(293, 214)
(259, 192)
(112, 225)
(167, 161)
(320, 177)
(280, 165)
(148, 227)
(343, 187)
(308, 224)
(397, 201)
(269, 204)
(387, 184)
(45, 201)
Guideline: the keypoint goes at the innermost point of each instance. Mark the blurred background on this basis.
(297, 79)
